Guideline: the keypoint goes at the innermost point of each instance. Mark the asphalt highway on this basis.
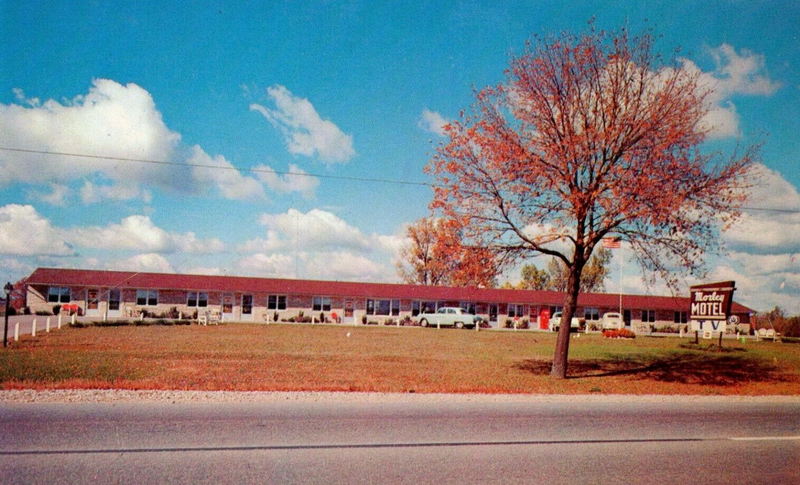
(404, 439)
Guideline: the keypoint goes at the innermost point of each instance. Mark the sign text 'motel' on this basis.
(711, 301)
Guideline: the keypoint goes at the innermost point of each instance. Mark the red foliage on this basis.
(589, 137)
(619, 333)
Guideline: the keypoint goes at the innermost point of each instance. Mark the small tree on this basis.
(434, 255)
(589, 136)
(556, 276)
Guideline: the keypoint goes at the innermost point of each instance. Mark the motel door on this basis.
(92, 302)
(247, 308)
(348, 311)
(114, 301)
(227, 306)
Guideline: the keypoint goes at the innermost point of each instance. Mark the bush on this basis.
(43, 313)
(56, 309)
(621, 333)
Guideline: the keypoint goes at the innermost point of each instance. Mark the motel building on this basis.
(102, 294)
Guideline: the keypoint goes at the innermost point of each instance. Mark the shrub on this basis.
(56, 309)
(43, 313)
(621, 333)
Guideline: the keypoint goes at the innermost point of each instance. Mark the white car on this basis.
(612, 320)
(449, 317)
(555, 321)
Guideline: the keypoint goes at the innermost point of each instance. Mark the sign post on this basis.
(710, 307)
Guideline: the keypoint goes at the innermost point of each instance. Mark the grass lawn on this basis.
(303, 357)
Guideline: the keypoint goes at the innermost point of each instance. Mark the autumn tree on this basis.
(534, 278)
(556, 277)
(434, 255)
(590, 136)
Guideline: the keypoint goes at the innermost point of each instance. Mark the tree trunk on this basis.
(559, 369)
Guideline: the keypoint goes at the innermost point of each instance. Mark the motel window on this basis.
(247, 304)
(681, 317)
(197, 299)
(493, 312)
(415, 308)
(147, 297)
(515, 310)
(321, 304)
(468, 307)
(383, 307)
(590, 313)
(555, 309)
(58, 294)
(649, 316)
(276, 302)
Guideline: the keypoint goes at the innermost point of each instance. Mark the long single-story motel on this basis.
(119, 294)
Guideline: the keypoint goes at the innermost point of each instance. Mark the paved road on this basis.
(407, 440)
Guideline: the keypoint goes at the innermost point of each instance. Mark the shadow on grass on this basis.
(724, 369)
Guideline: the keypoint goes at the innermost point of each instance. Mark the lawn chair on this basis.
(214, 317)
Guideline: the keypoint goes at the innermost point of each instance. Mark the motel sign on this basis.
(710, 306)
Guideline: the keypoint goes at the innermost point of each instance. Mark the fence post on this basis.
(72, 322)
(16, 332)
(33, 329)
(47, 325)
(59, 319)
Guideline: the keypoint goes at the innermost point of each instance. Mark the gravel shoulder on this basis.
(92, 396)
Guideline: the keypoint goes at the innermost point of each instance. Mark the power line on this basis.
(220, 167)
(288, 172)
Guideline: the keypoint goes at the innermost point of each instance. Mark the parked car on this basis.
(449, 317)
(555, 322)
(612, 320)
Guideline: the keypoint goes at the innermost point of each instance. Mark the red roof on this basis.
(241, 284)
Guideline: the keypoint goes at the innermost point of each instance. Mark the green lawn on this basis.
(388, 359)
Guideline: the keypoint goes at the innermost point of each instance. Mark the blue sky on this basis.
(341, 91)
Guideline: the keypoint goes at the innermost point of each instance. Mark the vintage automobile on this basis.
(449, 317)
(555, 321)
(612, 320)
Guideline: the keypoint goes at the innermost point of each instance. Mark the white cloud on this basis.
(319, 244)
(91, 193)
(139, 233)
(314, 230)
(24, 232)
(304, 130)
(112, 120)
(736, 73)
(768, 232)
(230, 182)
(433, 122)
(344, 265)
(260, 264)
(297, 180)
(149, 262)
(57, 196)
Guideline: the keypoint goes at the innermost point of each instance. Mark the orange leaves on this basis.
(588, 134)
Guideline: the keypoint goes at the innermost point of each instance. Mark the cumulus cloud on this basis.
(139, 233)
(767, 232)
(112, 119)
(25, 232)
(318, 244)
(433, 122)
(316, 230)
(305, 131)
(260, 264)
(735, 73)
(57, 195)
(224, 176)
(297, 180)
(149, 262)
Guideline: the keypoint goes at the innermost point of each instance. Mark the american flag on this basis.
(611, 242)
